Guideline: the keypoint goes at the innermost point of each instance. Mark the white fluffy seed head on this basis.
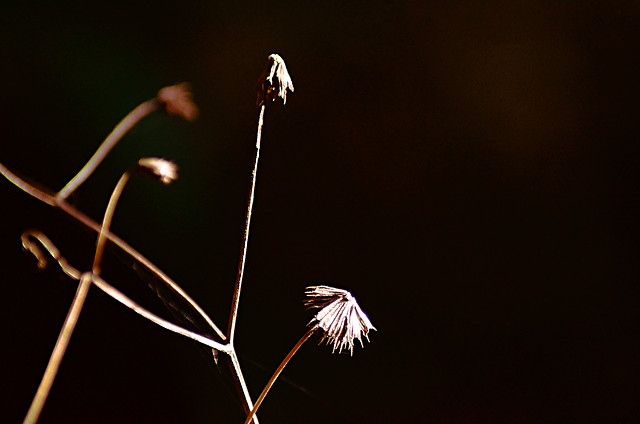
(340, 316)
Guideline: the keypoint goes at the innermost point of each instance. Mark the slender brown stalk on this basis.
(58, 351)
(47, 197)
(74, 312)
(41, 194)
(122, 298)
(116, 134)
(247, 404)
(274, 83)
(278, 371)
(243, 255)
(106, 221)
(108, 288)
(177, 101)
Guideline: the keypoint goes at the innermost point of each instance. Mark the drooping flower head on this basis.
(161, 169)
(274, 81)
(340, 316)
(177, 101)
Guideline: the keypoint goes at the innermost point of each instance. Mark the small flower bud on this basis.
(274, 81)
(177, 100)
(162, 169)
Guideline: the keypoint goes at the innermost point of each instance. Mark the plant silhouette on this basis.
(340, 318)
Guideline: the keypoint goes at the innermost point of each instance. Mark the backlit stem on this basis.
(278, 371)
(106, 221)
(58, 351)
(243, 255)
(118, 132)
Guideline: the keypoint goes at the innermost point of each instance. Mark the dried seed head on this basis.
(162, 169)
(177, 100)
(340, 316)
(274, 81)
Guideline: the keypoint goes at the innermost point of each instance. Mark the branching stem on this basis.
(109, 289)
(47, 197)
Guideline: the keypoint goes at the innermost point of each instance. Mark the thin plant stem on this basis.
(44, 195)
(116, 134)
(27, 244)
(243, 255)
(58, 351)
(278, 371)
(106, 221)
(109, 289)
(47, 197)
(248, 405)
(126, 301)
(76, 307)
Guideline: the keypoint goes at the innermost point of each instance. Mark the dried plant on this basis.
(340, 318)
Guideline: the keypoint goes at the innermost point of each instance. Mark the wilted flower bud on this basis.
(340, 316)
(274, 81)
(162, 169)
(177, 100)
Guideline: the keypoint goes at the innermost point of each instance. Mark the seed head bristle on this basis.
(340, 316)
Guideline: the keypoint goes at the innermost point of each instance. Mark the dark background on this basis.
(467, 169)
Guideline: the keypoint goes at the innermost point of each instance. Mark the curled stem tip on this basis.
(30, 245)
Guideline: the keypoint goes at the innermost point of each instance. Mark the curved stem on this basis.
(144, 261)
(27, 244)
(243, 255)
(58, 351)
(106, 221)
(126, 301)
(51, 200)
(109, 289)
(39, 194)
(116, 134)
(278, 371)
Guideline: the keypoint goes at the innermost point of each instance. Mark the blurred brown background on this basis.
(467, 169)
